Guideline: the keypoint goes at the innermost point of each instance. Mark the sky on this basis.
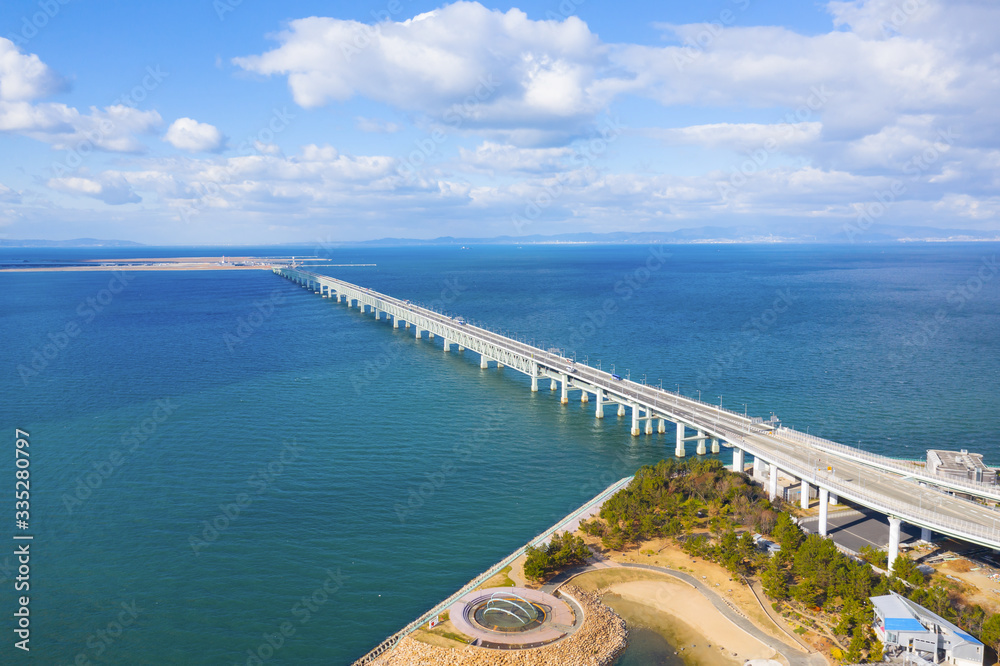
(244, 121)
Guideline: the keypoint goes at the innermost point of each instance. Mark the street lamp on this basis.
(699, 395)
(644, 378)
(628, 374)
(598, 364)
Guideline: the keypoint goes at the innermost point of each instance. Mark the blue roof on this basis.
(967, 637)
(903, 624)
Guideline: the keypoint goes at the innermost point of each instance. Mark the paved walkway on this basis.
(795, 657)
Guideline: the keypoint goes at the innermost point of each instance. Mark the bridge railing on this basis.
(873, 499)
(901, 466)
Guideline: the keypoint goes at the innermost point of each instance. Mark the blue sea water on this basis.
(203, 477)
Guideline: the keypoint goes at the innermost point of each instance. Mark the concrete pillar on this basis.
(772, 485)
(804, 494)
(461, 348)
(649, 422)
(447, 345)
(564, 396)
(416, 333)
(584, 396)
(378, 315)
(662, 426)
(758, 468)
(679, 446)
(635, 419)
(395, 322)
(534, 382)
(553, 384)
(738, 460)
(599, 398)
(430, 336)
(621, 409)
(926, 534)
(408, 324)
(701, 443)
(483, 362)
(834, 500)
(715, 445)
(824, 499)
(894, 524)
(499, 365)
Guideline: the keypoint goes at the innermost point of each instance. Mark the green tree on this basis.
(991, 632)
(775, 580)
(855, 649)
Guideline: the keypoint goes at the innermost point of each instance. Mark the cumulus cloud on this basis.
(376, 126)
(111, 188)
(24, 77)
(194, 137)
(463, 64)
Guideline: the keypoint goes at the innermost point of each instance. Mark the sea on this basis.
(228, 469)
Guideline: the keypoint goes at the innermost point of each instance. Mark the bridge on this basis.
(900, 490)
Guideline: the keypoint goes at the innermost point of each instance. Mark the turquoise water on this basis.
(354, 476)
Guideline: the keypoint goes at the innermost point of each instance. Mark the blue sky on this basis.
(221, 121)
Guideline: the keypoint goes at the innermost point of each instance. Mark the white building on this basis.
(904, 626)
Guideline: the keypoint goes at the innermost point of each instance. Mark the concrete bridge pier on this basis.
(534, 377)
(483, 361)
(635, 420)
(621, 409)
(407, 322)
(772, 482)
(804, 494)
(649, 422)
(701, 443)
(715, 445)
(584, 396)
(461, 348)
(416, 333)
(758, 468)
(824, 505)
(926, 534)
(378, 315)
(564, 395)
(430, 336)
(662, 426)
(738, 460)
(894, 524)
(599, 399)
(395, 322)
(834, 499)
(447, 345)
(553, 384)
(679, 447)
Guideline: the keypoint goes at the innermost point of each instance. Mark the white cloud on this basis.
(110, 188)
(744, 136)
(8, 195)
(24, 77)
(376, 126)
(194, 137)
(493, 157)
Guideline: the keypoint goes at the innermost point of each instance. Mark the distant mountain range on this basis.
(76, 242)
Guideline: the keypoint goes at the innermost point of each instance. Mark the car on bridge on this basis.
(618, 377)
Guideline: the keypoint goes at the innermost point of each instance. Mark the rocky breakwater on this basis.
(600, 641)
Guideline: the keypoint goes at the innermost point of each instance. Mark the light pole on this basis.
(644, 379)
(598, 364)
(699, 395)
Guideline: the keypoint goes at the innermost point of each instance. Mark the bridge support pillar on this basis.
(395, 322)
(738, 460)
(483, 361)
(599, 399)
(701, 443)
(430, 336)
(926, 534)
(416, 333)
(715, 445)
(834, 500)
(378, 315)
(772, 484)
(635, 420)
(758, 468)
(564, 395)
(649, 422)
(534, 382)
(894, 524)
(621, 409)
(662, 426)
(461, 348)
(447, 345)
(824, 503)
(584, 396)
(804, 494)
(553, 384)
(407, 323)
(679, 446)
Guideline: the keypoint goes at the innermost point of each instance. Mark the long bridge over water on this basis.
(902, 491)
